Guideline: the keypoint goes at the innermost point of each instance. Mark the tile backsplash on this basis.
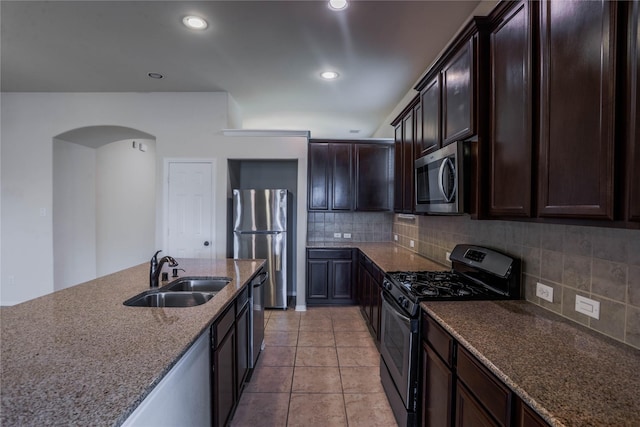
(362, 226)
(599, 263)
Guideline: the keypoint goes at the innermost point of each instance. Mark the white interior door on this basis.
(190, 232)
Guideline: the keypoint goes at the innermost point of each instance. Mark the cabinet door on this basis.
(578, 56)
(398, 182)
(318, 279)
(341, 157)
(526, 417)
(633, 107)
(318, 176)
(430, 121)
(437, 390)
(458, 95)
(373, 177)
(469, 413)
(407, 163)
(510, 152)
(242, 349)
(342, 283)
(224, 395)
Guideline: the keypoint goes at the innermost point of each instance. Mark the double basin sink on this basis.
(183, 292)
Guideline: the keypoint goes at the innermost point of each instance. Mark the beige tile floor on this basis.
(319, 368)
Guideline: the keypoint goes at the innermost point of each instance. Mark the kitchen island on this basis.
(79, 356)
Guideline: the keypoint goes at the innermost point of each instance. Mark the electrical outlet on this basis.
(395, 237)
(545, 292)
(337, 235)
(347, 235)
(448, 256)
(588, 307)
(412, 243)
(43, 211)
(12, 280)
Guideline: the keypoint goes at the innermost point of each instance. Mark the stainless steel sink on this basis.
(158, 298)
(198, 284)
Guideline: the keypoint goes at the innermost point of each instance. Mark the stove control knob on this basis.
(386, 285)
(401, 299)
(405, 303)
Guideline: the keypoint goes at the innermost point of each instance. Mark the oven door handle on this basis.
(395, 307)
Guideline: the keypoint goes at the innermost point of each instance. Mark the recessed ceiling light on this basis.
(194, 22)
(338, 4)
(329, 75)
(155, 75)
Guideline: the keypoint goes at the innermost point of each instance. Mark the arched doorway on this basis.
(103, 202)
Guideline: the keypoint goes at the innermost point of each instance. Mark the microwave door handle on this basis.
(447, 197)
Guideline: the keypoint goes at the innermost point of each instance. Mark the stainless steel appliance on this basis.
(260, 231)
(256, 331)
(440, 180)
(477, 274)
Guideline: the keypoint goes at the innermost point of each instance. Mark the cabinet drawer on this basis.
(223, 325)
(242, 299)
(438, 339)
(329, 254)
(487, 389)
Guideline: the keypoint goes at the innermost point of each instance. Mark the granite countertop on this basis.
(570, 375)
(79, 356)
(389, 256)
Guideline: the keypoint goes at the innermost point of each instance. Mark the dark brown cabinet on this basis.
(369, 288)
(374, 177)
(403, 196)
(632, 131)
(430, 120)
(330, 277)
(223, 357)
(348, 176)
(229, 358)
(458, 119)
(577, 103)
(330, 176)
(457, 390)
(510, 141)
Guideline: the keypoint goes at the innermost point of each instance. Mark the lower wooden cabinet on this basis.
(457, 390)
(368, 291)
(229, 359)
(330, 277)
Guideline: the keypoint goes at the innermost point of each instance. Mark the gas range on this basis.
(477, 274)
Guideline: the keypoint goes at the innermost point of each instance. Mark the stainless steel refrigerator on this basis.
(260, 231)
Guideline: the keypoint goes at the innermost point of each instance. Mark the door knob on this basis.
(206, 243)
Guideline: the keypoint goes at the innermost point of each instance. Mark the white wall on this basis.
(74, 214)
(125, 205)
(186, 125)
(29, 121)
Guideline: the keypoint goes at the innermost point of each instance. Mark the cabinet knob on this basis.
(206, 243)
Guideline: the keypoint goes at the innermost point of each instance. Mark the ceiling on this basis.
(267, 54)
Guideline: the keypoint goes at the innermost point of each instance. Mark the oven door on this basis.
(398, 349)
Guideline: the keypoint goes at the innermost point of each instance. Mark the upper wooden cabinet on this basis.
(430, 121)
(405, 146)
(578, 55)
(347, 175)
(374, 177)
(449, 91)
(458, 119)
(632, 132)
(510, 151)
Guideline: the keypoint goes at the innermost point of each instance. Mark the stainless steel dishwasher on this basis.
(256, 299)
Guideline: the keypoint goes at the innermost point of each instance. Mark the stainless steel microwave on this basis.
(440, 180)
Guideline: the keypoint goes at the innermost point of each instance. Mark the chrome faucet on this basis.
(156, 268)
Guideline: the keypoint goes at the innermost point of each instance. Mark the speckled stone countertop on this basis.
(80, 357)
(570, 375)
(388, 256)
